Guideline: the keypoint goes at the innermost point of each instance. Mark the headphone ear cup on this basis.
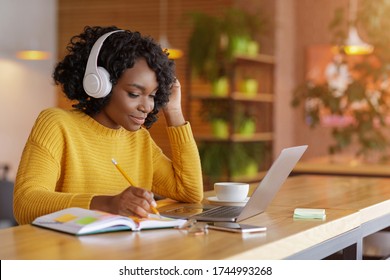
(98, 86)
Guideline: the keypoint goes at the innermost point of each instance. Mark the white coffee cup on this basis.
(231, 191)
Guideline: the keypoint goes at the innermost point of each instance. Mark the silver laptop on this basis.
(258, 202)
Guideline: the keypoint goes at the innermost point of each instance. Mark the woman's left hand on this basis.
(173, 111)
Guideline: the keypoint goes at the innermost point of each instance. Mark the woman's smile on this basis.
(137, 120)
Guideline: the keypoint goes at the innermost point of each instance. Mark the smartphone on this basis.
(235, 227)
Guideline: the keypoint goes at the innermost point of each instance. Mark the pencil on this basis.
(131, 182)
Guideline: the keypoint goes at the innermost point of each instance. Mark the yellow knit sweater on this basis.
(67, 161)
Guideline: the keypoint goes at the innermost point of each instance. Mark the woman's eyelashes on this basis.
(133, 94)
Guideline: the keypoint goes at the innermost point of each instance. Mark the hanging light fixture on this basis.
(173, 53)
(354, 45)
(32, 55)
(32, 50)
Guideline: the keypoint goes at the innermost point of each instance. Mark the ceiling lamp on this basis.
(163, 40)
(354, 45)
(32, 55)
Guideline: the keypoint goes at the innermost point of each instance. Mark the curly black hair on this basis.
(119, 52)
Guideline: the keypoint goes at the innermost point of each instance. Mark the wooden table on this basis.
(354, 207)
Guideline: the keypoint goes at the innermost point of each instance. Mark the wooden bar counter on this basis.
(351, 204)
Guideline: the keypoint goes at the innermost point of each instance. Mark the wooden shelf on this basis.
(260, 58)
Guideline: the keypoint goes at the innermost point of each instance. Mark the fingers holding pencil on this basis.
(135, 201)
(152, 202)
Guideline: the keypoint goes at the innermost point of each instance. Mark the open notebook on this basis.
(79, 221)
(258, 202)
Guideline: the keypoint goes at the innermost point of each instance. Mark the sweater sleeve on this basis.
(39, 169)
(181, 177)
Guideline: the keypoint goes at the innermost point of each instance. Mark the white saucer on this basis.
(215, 199)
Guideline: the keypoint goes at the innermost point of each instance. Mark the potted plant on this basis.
(217, 113)
(244, 120)
(249, 87)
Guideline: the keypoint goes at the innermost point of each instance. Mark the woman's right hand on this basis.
(132, 201)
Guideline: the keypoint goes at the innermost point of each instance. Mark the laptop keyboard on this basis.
(222, 211)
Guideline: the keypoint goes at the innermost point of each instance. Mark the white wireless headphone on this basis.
(96, 80)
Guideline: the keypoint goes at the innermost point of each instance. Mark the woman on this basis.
(67, 158)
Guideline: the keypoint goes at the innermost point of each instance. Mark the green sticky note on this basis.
(309, 213)
(86, 220)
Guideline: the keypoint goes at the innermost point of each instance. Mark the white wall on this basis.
(26, 87)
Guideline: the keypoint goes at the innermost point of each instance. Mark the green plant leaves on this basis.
(212, 41)
(224, 159)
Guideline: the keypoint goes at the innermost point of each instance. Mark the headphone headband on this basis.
(96, 80)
